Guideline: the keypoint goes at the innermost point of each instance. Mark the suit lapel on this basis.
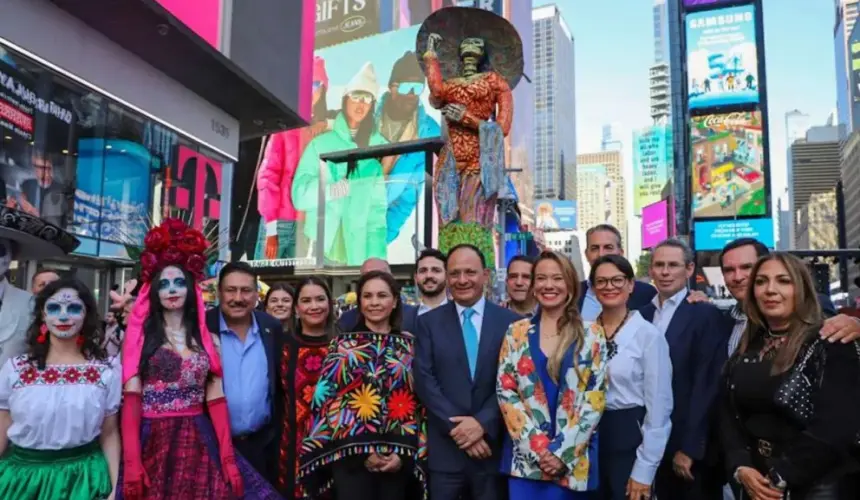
(268, 342)
(679, 322)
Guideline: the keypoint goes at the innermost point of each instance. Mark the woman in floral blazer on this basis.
(552, 378)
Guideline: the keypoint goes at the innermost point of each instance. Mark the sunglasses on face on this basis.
(363, 98)
(410, 88)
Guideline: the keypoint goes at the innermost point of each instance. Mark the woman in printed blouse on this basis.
(279, 304)
(778, 442)
(59, 434)
(367, 429)
(305, 348)
(636, 426)
(550, 387)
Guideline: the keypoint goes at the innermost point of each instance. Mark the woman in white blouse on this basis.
(59, 436)
(635, 427)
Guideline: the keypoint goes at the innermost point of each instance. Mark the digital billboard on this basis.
(727, 162)
(722, 58)
(340, 21)
(555, 215)
(378, 208)
(714, 235)
(655, 223)
(652, 164)
(697, 3)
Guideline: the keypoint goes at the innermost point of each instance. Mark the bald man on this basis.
(349, 319)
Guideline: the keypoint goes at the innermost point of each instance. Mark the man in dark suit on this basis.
(600, 240)
(456, 358)
(250, 355)
(349, 319)
(697, 348)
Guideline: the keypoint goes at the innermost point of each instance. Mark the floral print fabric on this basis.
(363, 403)
(173, 383)
(526, 413)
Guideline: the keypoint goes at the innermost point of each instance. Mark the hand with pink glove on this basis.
(221, 423)
(135, 480)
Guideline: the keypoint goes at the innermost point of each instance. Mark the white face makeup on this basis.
(172, 288)
(64, 313)
(5, 256)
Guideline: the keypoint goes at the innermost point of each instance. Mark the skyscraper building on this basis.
(555, 116)
(611, 140)
(796, 126)
(658, 75)
(593, 205)
(614, 198)
(816, 166)
(846, 16)
(661, 31)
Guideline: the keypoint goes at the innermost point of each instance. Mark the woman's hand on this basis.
(374, 462)
(550, 464)
(756, 485)
(637, 490)
(392, 463)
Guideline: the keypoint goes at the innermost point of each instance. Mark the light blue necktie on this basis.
(470, 337)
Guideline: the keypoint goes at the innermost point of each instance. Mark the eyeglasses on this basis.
(615, 281)
(364, 98)
(410, 88)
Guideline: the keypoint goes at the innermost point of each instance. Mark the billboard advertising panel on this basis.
(722, 58)
(340, 21)
(555, 215)
(655, 223)
(202, 16)
(714, 235)
(376, 86)
(727, 159)
(652, 163)
(697, 3)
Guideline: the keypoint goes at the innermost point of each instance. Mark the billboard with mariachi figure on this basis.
(722, 57)
(727, 160)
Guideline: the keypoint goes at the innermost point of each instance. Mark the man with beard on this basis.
(401, 117)
(518, 285)
(349, 319)
(430, 280)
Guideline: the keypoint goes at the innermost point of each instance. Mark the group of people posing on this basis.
(602, 388)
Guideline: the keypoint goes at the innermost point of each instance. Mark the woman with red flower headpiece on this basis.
(365, 438)
(175, 425)
(59, 430)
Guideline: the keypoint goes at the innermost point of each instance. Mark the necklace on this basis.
(177, 338)
(611, 345)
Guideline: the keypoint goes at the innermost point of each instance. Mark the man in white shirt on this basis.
(697, 349)
(430, 280)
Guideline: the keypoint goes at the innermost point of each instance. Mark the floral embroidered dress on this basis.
(301, 365)
(178, 442)
(57, 413)
(364, 403)
(541, 415)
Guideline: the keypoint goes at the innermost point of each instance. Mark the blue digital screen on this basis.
(714, 235)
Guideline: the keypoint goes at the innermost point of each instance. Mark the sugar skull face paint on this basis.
(172, 288)
(64, 313)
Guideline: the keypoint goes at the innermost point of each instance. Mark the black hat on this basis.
(406, 69)
(36, 238)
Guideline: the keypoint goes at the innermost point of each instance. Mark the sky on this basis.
(614, 48)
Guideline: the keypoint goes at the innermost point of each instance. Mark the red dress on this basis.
(301, 364)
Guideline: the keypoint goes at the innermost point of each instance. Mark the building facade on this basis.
(796, 126)
(128, 134)
(850, 173)
(846, 16)
(816, 168)
(614, 190)
(555, 103)
(611, 137)
(659, 87)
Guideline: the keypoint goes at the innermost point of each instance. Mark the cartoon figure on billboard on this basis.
(355, 198)
(278, 234)
(401, 117)
(728, 165)
(472, 59)
(723, 57)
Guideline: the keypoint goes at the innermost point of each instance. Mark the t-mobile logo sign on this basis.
(195, 185)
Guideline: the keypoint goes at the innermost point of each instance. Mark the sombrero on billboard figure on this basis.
(35, 238)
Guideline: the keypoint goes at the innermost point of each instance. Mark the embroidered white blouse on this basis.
(62, 406)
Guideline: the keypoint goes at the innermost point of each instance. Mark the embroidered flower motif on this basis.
(29, 375)
(365, 401)
(520, 332)
(51, 375)
(92, 374)
(401, 405)
(540, 395)
(568, 402)
(538, 442)
(525, 366)
(509, 383)
(321, 392)
(71, 375)
(313, 363)
(514, 419)
(307, 394)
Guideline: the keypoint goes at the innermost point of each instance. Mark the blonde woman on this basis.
(551, 383)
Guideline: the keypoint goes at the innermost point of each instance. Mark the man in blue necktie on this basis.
(456, 360)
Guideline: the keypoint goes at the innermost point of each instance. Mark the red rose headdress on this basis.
(173, 243)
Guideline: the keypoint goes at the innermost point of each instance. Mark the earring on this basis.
(43, 334)
(80, 340)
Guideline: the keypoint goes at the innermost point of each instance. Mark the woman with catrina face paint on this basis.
(176, 430)
(59, 433)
